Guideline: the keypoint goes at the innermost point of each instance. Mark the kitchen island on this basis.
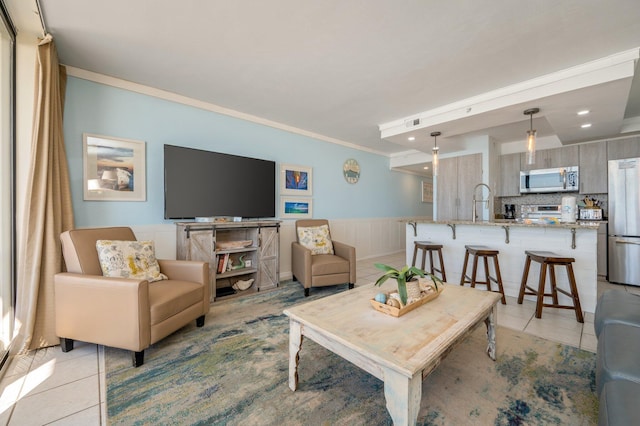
(512, 238)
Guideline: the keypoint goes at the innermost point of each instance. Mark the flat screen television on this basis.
(200, 183)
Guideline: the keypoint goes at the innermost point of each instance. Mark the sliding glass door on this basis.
(7, 181)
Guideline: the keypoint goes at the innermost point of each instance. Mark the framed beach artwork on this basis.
(114, 169)
(295, 180)
(296, 208)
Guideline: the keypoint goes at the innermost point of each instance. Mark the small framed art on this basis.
(427, 192)
(295, 180)
(296, 208)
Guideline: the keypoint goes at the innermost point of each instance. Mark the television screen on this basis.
(201, 183)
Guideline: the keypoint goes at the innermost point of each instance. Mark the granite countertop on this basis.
(581, 224)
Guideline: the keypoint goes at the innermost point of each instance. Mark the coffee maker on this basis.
(509, 211)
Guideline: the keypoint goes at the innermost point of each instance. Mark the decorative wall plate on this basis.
(351, 170)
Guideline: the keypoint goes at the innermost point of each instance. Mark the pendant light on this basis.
(531, 136)
(435, 153)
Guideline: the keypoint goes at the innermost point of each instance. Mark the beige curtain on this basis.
(48, 209)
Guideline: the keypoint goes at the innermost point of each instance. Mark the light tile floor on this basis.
(49, 387)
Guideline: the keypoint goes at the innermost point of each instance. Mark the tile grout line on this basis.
(23, 381)
(56, 420)
(32, 366)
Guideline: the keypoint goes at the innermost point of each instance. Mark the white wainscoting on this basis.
(372, 237)
(163, 236)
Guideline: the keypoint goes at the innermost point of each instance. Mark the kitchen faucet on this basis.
(485, 201)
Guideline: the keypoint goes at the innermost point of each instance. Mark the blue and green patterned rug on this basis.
(234, 371)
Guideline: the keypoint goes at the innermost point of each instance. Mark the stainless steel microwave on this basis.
(560, 179)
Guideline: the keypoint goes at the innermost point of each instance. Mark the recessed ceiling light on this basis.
(412, 138)
(583, 112)
(586, 125)
(426, 167)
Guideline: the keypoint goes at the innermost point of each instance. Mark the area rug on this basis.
(234, 371)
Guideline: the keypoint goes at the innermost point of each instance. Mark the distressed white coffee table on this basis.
(399, 351)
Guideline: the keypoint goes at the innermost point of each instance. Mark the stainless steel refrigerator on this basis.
(624, 221)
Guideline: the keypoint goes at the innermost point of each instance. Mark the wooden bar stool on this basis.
(485, 253)
(550, 260)
(429, 247)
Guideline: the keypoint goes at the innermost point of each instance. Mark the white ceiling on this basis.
(342, 68)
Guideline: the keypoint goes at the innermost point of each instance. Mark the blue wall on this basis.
(104, 110)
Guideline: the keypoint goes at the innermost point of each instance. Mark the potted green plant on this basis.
(402, 276)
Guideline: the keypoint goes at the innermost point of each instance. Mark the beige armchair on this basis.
(322, 269)
(124, 313)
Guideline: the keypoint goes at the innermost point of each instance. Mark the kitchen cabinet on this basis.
(593, 168)
(509, 185)
(548, 158)
(447, 182)
(623, 148)
(456, 179)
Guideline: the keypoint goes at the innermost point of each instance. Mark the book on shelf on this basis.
(223, 261)
(226, 262)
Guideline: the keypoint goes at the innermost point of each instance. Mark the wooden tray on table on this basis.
(398, 312)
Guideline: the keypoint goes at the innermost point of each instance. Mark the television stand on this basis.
(236, 252)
